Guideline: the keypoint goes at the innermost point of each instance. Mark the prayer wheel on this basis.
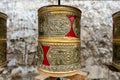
(116, 40)
(3, 30)
(59, 40)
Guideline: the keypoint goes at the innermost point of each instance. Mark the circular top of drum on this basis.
(2, 15)
(116, 16)
(63, 8)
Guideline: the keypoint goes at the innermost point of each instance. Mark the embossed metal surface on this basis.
(2, 52)
(59, 38)
(3, 31)
(116, 40)
(3, 27)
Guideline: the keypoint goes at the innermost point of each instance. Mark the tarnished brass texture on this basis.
(3, 30)
(116, 40)
(59, 39)
(2, 52)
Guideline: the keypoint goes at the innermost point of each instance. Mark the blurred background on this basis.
(96, 36)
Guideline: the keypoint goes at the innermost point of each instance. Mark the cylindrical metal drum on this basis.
(3, 28)
(59, 40)
(116, 40)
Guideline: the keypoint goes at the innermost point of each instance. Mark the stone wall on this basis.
(96, 34)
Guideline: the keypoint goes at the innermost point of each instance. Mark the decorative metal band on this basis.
(3, 39)
(61, 68)
(116, 65)
(58, 74)
(55, 8)
(2, 15)
(116, 40)
(59, 54)
(60, 44)
(59, 39)
(59, 25)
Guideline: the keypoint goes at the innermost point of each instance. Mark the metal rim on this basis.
(113, 15)
(59, 8)
(58, 74)
(2, 15)
(3, 64)
(116, 65)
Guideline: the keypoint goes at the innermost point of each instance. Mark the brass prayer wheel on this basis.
(59, 40)
(3, 30)
(116, 40)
